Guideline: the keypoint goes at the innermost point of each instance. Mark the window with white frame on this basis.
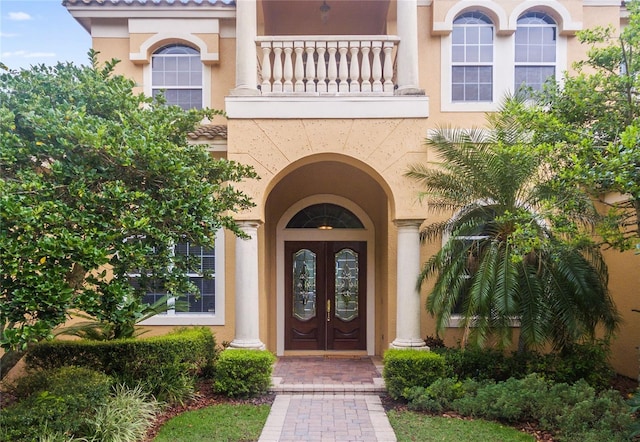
(535, 50)
(176, 72)
(472, 58)
(205, 305)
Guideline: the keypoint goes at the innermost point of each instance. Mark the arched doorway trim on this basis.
(283, 234)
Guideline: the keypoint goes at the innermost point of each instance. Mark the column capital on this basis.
(412, 222)
(245, 224)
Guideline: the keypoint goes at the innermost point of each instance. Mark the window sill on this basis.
(456, 322)
(185, 319)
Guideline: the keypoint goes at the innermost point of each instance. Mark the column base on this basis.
(410, 90)
(247, 344)
(409, 344)
(244, 91)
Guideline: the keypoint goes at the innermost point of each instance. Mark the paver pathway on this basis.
(327, 399)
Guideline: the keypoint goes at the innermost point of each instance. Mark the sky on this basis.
(40, 31)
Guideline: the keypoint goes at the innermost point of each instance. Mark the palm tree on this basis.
(518, 247)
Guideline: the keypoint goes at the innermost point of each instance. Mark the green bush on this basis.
(166, 365)
(404, 369)
(437, 397)
(575, 362)
(243, 373)
(572, 412)
(54, 401)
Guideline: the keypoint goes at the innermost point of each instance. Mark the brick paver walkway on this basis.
(327, 399)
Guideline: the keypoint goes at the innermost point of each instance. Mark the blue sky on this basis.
(40, 31)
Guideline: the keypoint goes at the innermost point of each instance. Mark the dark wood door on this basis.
(325, 292)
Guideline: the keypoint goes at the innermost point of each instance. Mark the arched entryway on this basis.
(332, 218)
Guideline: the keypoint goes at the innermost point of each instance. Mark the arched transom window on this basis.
(177, 73)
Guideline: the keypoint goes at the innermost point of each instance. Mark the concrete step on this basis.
(377, 387)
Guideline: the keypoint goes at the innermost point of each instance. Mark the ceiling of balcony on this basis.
(325, 17)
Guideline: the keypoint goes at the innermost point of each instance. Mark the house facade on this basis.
(330, 102)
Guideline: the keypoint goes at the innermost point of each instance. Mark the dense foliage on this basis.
(95, 183)
(408, 368)
(591, 122)
(243, 373)
(518, 249)
(166, 366)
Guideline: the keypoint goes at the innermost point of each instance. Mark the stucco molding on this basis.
(146, 49)
(305, 107)
(506, 23)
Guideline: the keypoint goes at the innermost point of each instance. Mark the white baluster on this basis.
(366, 67)
(332, 47)
(376, 47)
(299, 66)
(388, 66)
(322, 67)
(343, 67)
(277, 66)
(354, 68)
(310, 75)
(266, 67)
(288, 69)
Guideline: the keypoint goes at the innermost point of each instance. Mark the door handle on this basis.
(328, 310)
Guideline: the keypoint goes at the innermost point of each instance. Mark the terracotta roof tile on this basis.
(147, 2)
(209, 131)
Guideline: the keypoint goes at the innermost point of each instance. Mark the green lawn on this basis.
(224, 422)
(411, 426)
(235, 423)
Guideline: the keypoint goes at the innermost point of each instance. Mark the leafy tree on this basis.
(517, 248)
(94, 183)
(592, 121)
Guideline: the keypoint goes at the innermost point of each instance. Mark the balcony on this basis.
(355, 65)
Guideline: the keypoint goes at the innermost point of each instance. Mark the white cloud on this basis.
(27, 54)
(19, 16)
(7, 35)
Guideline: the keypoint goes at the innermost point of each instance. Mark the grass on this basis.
(412, 426)
(223, 422)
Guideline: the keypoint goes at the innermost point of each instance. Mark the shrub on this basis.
(404, 369)
(572, 412)
(437, 397)
(125, 417)
(243, 373)
(165, 365)
(58, 401)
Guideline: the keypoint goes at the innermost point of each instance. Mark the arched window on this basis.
(472, 58)
(177, 73)
(535, 50)
(325, 216)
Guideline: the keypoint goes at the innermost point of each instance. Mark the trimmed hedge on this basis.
(243, 373)
(193, 349)
(404, 369)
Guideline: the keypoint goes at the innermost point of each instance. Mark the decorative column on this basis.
(408, 302)
(407, 56)
(246, 56)
(247, 296)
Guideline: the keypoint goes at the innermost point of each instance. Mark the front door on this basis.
(325, 295)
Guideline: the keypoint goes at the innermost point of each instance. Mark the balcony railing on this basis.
(325, 65)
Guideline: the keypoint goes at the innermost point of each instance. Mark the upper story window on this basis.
(177, 73)
(472, 58)
(535, 50)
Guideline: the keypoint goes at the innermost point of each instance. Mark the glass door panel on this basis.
(346, 284)
(304, 285)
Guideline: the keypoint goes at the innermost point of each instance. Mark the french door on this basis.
(325, 295)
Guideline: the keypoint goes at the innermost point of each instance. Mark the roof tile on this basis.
(147, 2)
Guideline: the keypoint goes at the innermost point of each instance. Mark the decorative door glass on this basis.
(346, 300)
(304, 285)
